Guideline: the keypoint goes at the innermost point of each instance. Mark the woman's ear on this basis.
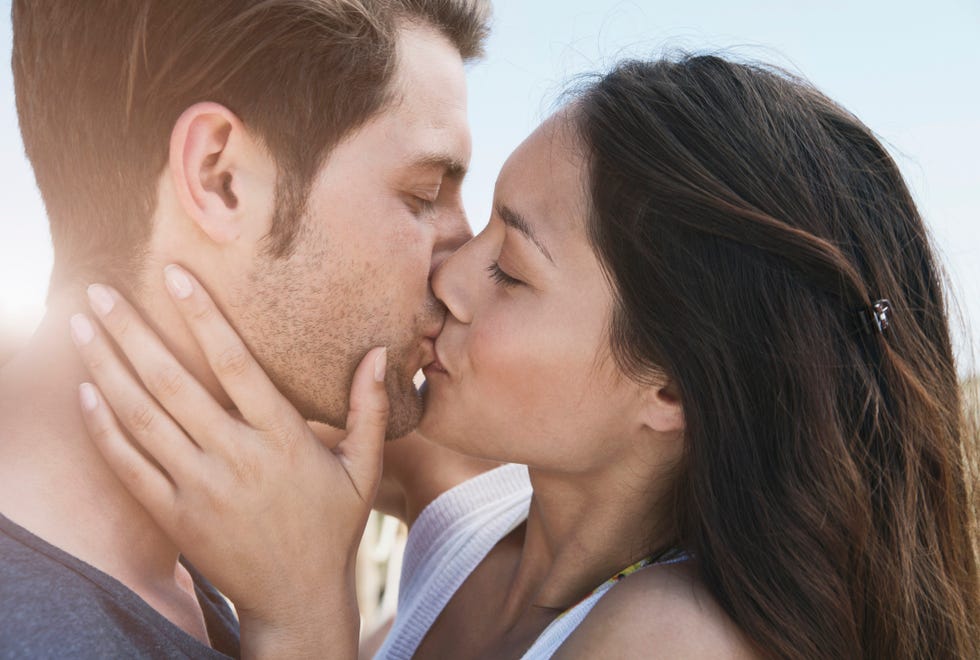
(662, 410)
(211, 155)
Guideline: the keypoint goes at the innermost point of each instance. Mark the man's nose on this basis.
(452, 231)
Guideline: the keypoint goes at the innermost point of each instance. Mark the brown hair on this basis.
(828, 489)
(100, 84)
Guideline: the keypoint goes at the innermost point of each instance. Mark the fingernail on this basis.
(101, 299)
(87, 396)
(82, 331)
(178, 282)
(381, 365)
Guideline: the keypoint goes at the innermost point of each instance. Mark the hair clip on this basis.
(876, 318)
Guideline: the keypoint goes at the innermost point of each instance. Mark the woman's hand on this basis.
(257, 503)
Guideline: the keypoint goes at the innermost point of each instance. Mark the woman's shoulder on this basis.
(659, 612)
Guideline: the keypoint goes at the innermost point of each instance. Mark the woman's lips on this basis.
(434, 367)
(430, 358)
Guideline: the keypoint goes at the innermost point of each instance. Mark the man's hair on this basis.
(100, 84)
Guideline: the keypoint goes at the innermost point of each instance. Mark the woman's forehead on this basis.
(545, 178)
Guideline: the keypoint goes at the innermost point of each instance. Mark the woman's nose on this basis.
(455, 281)
(452, 231)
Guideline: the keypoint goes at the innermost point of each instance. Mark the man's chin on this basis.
(405, 412)
(405, 404)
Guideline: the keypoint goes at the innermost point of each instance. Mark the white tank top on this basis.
(449, 540)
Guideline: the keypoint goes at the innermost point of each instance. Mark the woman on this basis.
(706, 315)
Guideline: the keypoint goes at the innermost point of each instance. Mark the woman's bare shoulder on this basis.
(659, 612)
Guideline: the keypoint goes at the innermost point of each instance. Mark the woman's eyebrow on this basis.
(515, 220)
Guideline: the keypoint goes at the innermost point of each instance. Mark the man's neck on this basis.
(54, 482)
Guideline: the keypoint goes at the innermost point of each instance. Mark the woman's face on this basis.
(524, 372)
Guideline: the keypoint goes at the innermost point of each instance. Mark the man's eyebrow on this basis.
(452, 166)
(516, 221)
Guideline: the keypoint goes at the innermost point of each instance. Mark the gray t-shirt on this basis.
(53, 605)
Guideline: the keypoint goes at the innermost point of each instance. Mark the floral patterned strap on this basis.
(668, 557)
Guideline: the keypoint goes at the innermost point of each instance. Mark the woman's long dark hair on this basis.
(747, 223)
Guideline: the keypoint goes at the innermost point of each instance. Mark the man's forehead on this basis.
(430, 142)
(427, 112)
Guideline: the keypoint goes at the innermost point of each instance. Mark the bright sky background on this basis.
(909, 69)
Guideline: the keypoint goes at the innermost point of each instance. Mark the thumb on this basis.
(367, 421)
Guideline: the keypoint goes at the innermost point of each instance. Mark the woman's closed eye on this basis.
(498, 275)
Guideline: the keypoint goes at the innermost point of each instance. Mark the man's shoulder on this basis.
(47, 609)
(54, 605)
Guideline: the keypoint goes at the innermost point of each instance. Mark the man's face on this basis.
(383, 211)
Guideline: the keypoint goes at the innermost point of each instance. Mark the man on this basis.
(304, 159)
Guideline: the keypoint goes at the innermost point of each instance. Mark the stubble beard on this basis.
(310, 350)
(325, 399)
(405, 402)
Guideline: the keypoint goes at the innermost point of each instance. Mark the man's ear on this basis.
(211, 158)
(661, 408)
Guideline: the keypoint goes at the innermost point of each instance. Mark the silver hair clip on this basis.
(877, 317)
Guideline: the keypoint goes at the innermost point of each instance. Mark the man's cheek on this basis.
(411, 246)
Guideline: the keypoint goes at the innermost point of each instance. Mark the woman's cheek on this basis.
(519, 364)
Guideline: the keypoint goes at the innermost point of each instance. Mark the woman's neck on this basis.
(581, 530)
